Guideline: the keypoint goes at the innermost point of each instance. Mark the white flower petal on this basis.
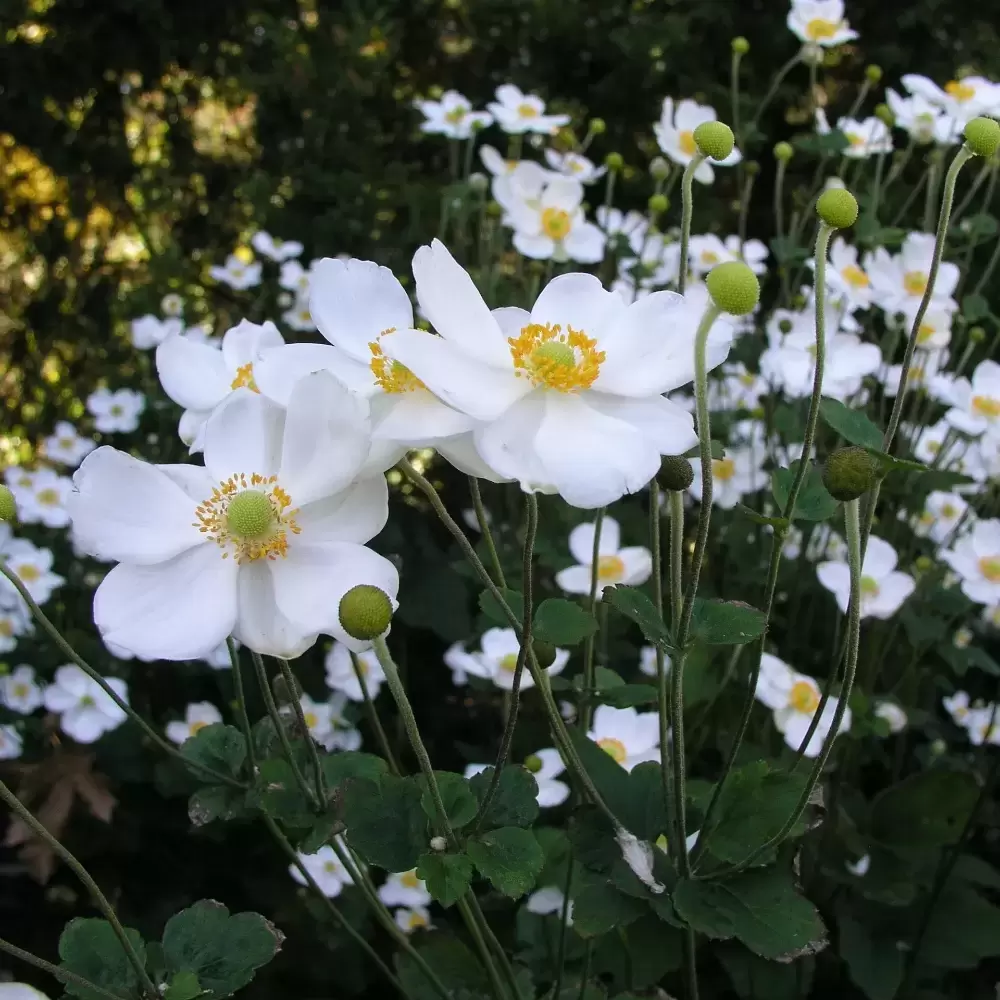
(260, 623)
(193, 375)
(244, 436)
(579, 301)
(243, 343)
(416, 417)
(278, 370)
(581, 540)
(357, 514)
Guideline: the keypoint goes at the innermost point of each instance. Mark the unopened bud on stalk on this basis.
(740, 45)
(924, 564)
(884, 114)
(850, 473)
(658, 204)
(598, 126)
(714, 139)
(982, 136)
(659, 169)
(8, 508)
(734, 287)
(751, 167)
(545, 653)
(439, 844)
(873, 73)
(676, 473)
(614, 162)
(478, 182)
(838, 208)
(365, 612)
(783, 151)
(977, 334)
(533, 764)
(493, 210)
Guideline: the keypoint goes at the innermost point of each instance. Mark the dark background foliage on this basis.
(140, 140)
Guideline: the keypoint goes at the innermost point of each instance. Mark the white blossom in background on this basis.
(926, 122)
(958, 707)
(976, 559)
(546, 765)
(66, 446)
(705, 252)
(404, 889)
(295, 278)
(451, 116)
(117, 411)
(794, 699)
(628, 736)
(516, 112)
(32, 566)
(150, 330)
(343, 734)
(847, 279)
(550, 900)
(632, 225)
(893, 715)
(172, 305)
(197, 716)
(960, 100)
(647, 661)
(15, 621)
(19, 691)
(941, 515)
(21, 482)
(496, 660)
(739, 472)
(340, 675)
(883, 587)
(86, 711)
(326, 870)
(738, 389)
(236, 274)
(46, 503)
(983, 726)
(631, 565)
(675, 135)
(925, 374)
(860, 867)
(299, 316)
(553, 226)
(10, 749)
(413, 918)
(820, 22)
(219, 658)
(865, 138)
(975, 402)
(273, 248)
(574, 165)
(900, 280)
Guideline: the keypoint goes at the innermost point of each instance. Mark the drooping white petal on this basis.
(243, 343)
(508, 443)
(356, 514)
(666, 426)
(461, 452)
(416, 417)
(193, 375)
(260, 623)
(244, 436)
(581, 540)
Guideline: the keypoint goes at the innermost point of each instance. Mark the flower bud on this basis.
(751, 167)
(884, 114)
(658, 204)
(8, 508)
(598, 126)
(676, 473)
(977, 334)
(365, 611)
(982, 136)
(734, 287)
(783, 151)
(873, 74)
(849, 473)
(714, 139)
(533, 764)
(837, 207)
(614, 162)
(924, 564)
(545, 653)
(493, 210)
(659, 169)
(785, 325)
(740, 45)
(439, 844)
(478, 182)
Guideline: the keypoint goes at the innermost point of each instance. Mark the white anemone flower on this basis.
(86, 711)
(116, 411)
(549, 900)
(883, 587)
(15, 621)
(546, 765)
(739, 472)
(631, 565)
(523, 185)
(261, 543)
(924, 120)
(647, 661)
(899, 281)
(927, 373)
(149, 330)
(960, 100)
(11, 746)
(236, 273)
(452, 116)
(570, 394)
(976, 559)
(983, 726)
(46, 504)
(340, 675)
(413, 918)
(848, 280)
(553, 226)
(293, 277)
(738, 389)
(865, 137)
(404, 889)
(707, 251)
(942, 514)
(20, 991)
(516, 112)
(273, 248)
(326, 870)
(172, 304)
(976, 402)
(19, 691)
(66, 446)
(496, 660)
(634, 226)
(820, 22)
(794, 699)
(574, 165)
(197, 716)
(675, 135)
(628, 736)
(32, 565)
(199, 376)
(894, 716)
(958, 707)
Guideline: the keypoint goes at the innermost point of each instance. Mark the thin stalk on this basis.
(241, 703)
(984, 171)
(930, 195)
(877, 185)
(531, 507)
(687, 206)
(56, 636)
(779, 223)
(773, 89)
(372, 714)
(484, 528)
(991, 266)
(691, 964)
(63, 975)
(563, 926)
(734, 90)
(662, 696)
(590, 643)
(741, 230)
(100, 900)
(300, 718)
(676, 556)
(910, 199)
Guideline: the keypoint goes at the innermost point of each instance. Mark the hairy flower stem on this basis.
(300, 717)
(590, 643)
(63, 975)
(734, 89)
(64, 646)
(373, 720)
(779, 224)
(944, 217)
(241, 704)
(773, 90)
(687, 207)
(531, 508)
(676, 557)
(484, 527)
(662, 697)
(100, 900)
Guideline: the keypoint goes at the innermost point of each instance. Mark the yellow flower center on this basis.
(915, 282)
(115, 410)
(28, 573)
(855, 277)
(6, 628)
(49, 497)
(614, 748)
(566, 362)
(949, 511)
(686, 141)
(409, 880)
(196, 727)
(819, 28)
(87, 701)
(960, 91)
(312, 720)
(248, 516)
(244, 378)
(391, 375)
(925, 332)
(527, 111)
(508, 663)
(989, 566)
(610, 569)
(574, 166)
(556, 223)
(456, 115)
(331, 868)
(803, 697)
(747, 379)
(855, 139)
(21, 690)
(986, 406)
(416, 920)
(66, 442)
(723, 468)
(869, 586)
(709, 257)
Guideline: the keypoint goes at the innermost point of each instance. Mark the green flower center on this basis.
(250, 515)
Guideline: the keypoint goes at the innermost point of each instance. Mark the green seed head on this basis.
(365, 612)
(8, 508)
(838, 208)
(740, 45)
(533, 764)
(884, 113)
(982, 136)
(250, 515)
(676, 473)
(734, 287)
(977, 334)
(873, 73)
(659, 168)
(598, 126)
(783, 152)
(714, 139)
(614, 162)
(554, 352)
(659, 203)
(849, 473)
(493, 210)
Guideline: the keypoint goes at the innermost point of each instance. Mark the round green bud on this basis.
(982, 136)
(478, 182)
(659, 168)
(734, 287)
(614, 162)
(938, 747)
(365, 611)
(849, 473)
(977, 334)
(676, 473)
(924, 564)
(8, 508)
(884, 114)
(598, 126)
(751, 167)
(493, 210)
(659, 203)
(873, 73)
(545, 653)
(533, 764)
(714, 139)
(837, 207)
(740, 45)
(783, 151)
(785, 325)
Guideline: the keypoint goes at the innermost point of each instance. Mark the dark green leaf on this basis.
(892, 463)
(774, 522)
(222, 802)
(509, 857)
(925, 810)
(609, 777)
(605, 678)
(223, 951)
(599, 906)
(964, 929)
(341, 767)
(385, 822)
(89, 947)
(276, 792)
(753, 978)
(851, 425)
(219, 747)
(516, 800)
(562, 623)
(718, 451)
(874, 961)
(635, 605)
(814, 502)
(726, 623)
(459, 802)
(447, 876)
(452, 962)
(644, 813)
(628, 695)
(184, 986)
(493, 611)
(975, 307)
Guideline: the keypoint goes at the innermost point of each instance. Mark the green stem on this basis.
(779, 223)
(691, 964)
(687, 207)
(241, 703)
(56, 636)
(373, 719)
(676, 557)
(773, 89)
(734, 88)
(484, 528)
(587, 694)
(300, 718)
(100, 900)
(741, 228)
(63, 975)
(930, 195)
(991, 266)
(476, 931)
(563, 927)
(662, 702)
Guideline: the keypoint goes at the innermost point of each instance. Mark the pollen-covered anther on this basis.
(392, 376)
(244, 379)
(250, 517)
(566, 362)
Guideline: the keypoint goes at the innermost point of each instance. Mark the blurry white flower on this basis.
(116, 411)
(66, 446)
(451, 116)
(867, 137)
(675, 135)
(273, 248)
(705, 252)
(219, 658)
(150, 330)
(21, 482)
(820, 22)
(957, 706)
(197, 716)
(925, 373)
(632, 225)
(925, 121)
(976, 402)
(740, 472)
(847, 279)
(86, 711)
(295, 278)
(326, 870)
(941, 515)
(318, 719)
(14, 622)
(631, 566)
(236, 273)
(550, 900)
(19, 690)
(861, 866)
(298, 317)
(340, 675)
(554, 226)
(883, 588)
(413, 918)
(976, 559)
(172, 304)
(46, 503)
(647, 661)
(991, 615)
(33, 567)
(738, 389)
(516, 112)
(404, 889)
(10, 749)
(983, 726)
(630, 737)
(546, 766)
(961, 100)
(891, 712)
(900, 280)
(962, 638)
(496, 659)
(574, 165)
